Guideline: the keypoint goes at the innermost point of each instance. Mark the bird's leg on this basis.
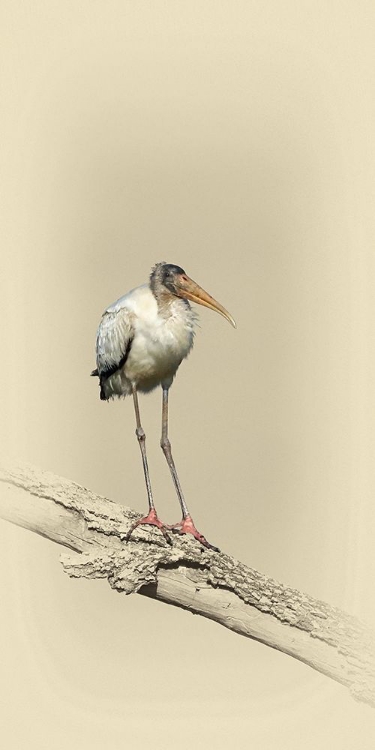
(152, 518)
(186, 525)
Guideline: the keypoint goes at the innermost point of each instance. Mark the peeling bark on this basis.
(184, 574)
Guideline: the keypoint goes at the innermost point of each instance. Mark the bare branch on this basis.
(202, 581)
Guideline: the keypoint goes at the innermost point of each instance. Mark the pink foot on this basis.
(186, 526)
(150, 520)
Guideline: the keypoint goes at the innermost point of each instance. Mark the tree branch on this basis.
(184, 574)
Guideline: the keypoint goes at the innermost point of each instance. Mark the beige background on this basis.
(237, 140)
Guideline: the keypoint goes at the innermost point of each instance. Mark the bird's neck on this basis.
(165, 300)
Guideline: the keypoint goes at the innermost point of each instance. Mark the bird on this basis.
(141, 341)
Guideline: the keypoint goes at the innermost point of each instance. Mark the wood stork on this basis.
(141, 341)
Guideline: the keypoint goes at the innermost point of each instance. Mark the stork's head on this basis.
(169, 279)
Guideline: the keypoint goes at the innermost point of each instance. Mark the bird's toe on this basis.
(151, 519)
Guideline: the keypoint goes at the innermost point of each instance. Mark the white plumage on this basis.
(153, 342)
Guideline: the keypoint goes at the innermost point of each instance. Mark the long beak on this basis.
(188, 289)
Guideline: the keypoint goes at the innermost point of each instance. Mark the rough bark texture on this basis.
(184, 574)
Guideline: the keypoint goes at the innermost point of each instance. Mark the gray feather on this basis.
(113, 341)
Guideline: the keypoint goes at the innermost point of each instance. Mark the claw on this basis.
(186, 526)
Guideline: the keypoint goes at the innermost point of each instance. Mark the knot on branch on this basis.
(135, 565)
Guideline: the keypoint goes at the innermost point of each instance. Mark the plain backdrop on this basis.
(235, 139)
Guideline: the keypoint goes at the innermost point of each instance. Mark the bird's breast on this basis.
(159, 346)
